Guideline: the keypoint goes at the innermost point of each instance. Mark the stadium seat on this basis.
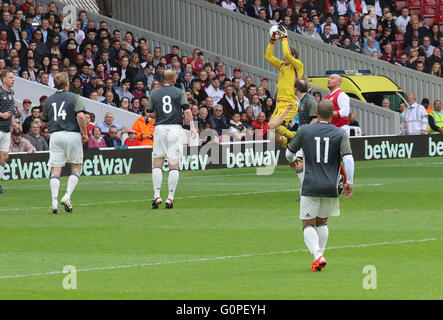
(428, 20)
(430, 3)
(413, 4)
(415, 11)
(427, 11)
(399, 5)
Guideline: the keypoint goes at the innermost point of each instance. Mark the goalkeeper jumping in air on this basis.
(290, 70)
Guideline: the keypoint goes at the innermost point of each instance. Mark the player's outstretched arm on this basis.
(269, 55)
(296, 63)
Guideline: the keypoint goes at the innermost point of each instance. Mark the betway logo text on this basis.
(17, 170)
(388, 150)
(251, 158)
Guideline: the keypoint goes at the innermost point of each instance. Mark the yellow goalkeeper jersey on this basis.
(287, 73)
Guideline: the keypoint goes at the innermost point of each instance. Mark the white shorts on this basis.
(317, 207)
(168, 142)
(65, 147)
(5, 141)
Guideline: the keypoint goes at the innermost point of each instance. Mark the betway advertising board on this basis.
(214, 156)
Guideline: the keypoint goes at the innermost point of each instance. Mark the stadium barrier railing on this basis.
(254, 154)
(373, 120)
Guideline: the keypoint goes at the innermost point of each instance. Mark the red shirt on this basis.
(133, 143)
(339, 121)
(90, 128)
(259, 126)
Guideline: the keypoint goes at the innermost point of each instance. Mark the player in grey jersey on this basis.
(7, 110)
(324, 146)
(64, 114)
(307, 114)
(169, 104)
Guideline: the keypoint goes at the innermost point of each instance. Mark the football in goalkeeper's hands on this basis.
(274, 33)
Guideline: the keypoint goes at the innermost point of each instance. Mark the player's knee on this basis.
(321, 221)
(4, 157)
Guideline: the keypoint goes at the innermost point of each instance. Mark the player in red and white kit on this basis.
(341, 103)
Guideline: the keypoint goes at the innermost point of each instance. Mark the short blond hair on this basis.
(61, 80)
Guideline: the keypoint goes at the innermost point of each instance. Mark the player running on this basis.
(324, 145)
(169, 103)
(290, 70)
(7, 110)
(64, 114)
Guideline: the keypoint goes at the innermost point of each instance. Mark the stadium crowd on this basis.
(118, 70)
(404, 33)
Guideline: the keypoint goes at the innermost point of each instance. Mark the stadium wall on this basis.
(244, 39)
(227, 156)
(25, 89)
(373, 120)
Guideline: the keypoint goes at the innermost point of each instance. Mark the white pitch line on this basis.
(142, 265)
(147, 200)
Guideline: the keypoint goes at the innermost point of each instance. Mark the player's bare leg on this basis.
(172, 182)
(157, 178)
(312, 242)
(76, 170)
(3, 159)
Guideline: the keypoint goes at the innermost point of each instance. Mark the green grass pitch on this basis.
(232, 235)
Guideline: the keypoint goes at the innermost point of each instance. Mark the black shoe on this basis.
(1, 190)
(169, 204)
(156, 202)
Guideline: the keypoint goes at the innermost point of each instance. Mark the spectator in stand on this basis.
(242, 101)
(241, 7)
(108, 122)
(35, 138)
(389, 55)
(218, 121)
(214, 91)
(427, 47)
(261, 125)
(386, 104)
(326, 34)
(135, 106)
(436, 70)
(229, 103)
(415, 118)
(96, 141)
(253, 10)
(18, 144)
(402, 21)
(198, 93)
(26, 110)
(139, 90)
(310, 32)
(123, 90)
(237, 130)
(35, 114)
(112, 138)
(255, 106)
(203, 116)
(144, 127)
(132, 140)
(370, 48)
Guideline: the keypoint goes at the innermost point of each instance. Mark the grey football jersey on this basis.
(60, 111)
(168, 102)
(323, 146)
(6, 105)
(307, 109)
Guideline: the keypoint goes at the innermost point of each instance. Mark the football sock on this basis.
(54, 183)
(283, 131)
(2, 168)
(72, 183)
(157, 177)
(172, 182)
(311, 240)
(323, 234)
